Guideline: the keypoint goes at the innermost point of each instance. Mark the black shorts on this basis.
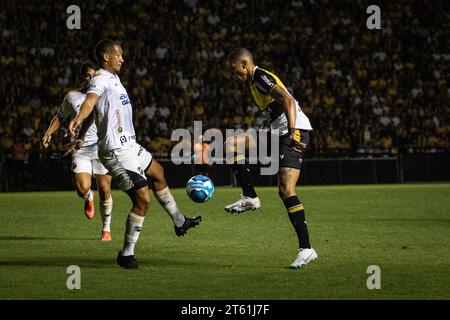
(288, 157)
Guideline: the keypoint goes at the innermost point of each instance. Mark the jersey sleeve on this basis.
(97, 85)
(66, 109)
(265, 81)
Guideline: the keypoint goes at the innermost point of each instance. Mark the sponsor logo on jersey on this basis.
(123, 139)
(267, 80)
(124, 99)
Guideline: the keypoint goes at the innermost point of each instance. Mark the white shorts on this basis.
(85, 160)
(128, 165)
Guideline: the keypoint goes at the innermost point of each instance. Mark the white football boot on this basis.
(304, 257)
(244, 204)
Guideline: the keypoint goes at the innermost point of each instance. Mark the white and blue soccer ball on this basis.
(200, 188)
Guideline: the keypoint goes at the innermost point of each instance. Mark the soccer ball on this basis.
(200, 188)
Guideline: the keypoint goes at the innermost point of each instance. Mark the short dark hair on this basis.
(102, 47)
(239, 53)
(86, 66)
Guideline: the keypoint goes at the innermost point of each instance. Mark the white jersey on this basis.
(70, 107)
(113, 112)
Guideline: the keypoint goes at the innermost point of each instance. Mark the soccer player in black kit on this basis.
(285, 115)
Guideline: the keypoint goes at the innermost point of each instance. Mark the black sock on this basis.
(242, 174)
(297, 216)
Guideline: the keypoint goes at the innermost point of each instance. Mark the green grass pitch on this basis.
(404, 229)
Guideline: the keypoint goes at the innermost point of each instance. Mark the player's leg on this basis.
(236, 146)
(288, 175)
(162, 193)
(125, 168)
(135, 220)
(104, 191)
(82, 184)
(106, 204)
(288, 178)
(82, 169)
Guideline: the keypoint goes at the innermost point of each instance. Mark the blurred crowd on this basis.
(366, 92)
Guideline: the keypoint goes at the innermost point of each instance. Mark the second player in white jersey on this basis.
(85, 160)
(70, 107)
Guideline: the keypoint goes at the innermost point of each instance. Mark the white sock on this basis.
(88, 196)
(132, 231)
(105, 211)
(167, 201)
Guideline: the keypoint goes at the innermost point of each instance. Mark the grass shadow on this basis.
(60, 262)
(27, 238)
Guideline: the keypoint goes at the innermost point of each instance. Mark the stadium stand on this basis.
(367, 92)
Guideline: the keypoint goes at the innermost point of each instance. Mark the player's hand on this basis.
(72, 146)
(46, 140)
(297, 146)
(73, 126)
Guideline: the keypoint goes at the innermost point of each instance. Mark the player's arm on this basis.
(57, 120)
(87, 123)
(85, 110)
(76, 144)
(288, 101)
(55, 124)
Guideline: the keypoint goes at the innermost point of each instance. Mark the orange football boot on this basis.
(106, 236)
(89, 207)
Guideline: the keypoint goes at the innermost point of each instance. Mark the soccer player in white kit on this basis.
(128, 162)
(85, 161)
